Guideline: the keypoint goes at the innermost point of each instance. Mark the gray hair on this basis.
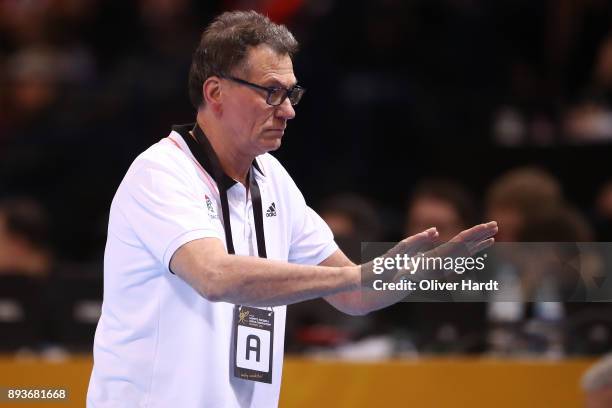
(225, 43)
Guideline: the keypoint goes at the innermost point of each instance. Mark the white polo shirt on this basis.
(158, 342)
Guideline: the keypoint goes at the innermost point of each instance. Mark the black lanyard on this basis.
(208, 159)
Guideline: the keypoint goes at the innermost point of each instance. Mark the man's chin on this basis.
(266, 150)
(270, 145)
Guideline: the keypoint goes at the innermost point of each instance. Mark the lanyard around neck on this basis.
(208, 159)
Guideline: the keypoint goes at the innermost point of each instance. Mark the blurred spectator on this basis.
(43, 303)
(566, 271)
(353, 219)
(32, 87)
(279, 11)
(561, 227)
(591, 119)
(516, 195)
(442, 326)
(514, 200)
(596, 384)
(25, 265)
(24, 22)
(24, 240)
(603, 71)
(149, 82)
(441, 204)
(550, 277)
(47, 61)
(603, 212)
(555, 222)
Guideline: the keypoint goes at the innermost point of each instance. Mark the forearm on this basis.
(262, 282)
(364, 300)
(360, 301)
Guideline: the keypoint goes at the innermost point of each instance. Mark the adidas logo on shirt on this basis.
(271, 211)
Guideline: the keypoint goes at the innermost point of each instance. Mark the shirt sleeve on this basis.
(311, 238)
(166, 210)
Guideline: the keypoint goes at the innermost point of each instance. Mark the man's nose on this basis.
(285, 110)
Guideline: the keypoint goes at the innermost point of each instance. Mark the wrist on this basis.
(353, 276)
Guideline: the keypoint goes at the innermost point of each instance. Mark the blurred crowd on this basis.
(426, 111)
(49, 302)
(529, 206)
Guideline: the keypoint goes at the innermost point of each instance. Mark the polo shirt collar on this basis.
(206, 155)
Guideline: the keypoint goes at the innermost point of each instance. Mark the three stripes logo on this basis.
(271, 211)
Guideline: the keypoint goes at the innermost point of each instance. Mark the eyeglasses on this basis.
(276, 94)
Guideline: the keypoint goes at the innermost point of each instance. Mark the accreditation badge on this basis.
(253, 330)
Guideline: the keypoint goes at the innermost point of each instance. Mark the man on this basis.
(442, 203)
(209, 238)
(441, 326)
(24, 242)
(26, 264)
(596, 384)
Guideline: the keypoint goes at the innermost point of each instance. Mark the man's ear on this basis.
(211, 91)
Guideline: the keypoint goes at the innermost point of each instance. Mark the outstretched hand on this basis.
(466, 243)
(477, 238)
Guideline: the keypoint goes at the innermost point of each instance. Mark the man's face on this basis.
(255, 126)
(427, 212)
(510, 221)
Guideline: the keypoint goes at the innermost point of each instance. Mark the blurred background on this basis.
(418, 113)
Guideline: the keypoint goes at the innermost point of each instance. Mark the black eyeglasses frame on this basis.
(271, 90)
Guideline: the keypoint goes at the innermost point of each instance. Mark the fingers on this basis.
(482, 231)
(477, 233)
(482, 245)
(422, 237)
(418, 242)
(475, 239)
